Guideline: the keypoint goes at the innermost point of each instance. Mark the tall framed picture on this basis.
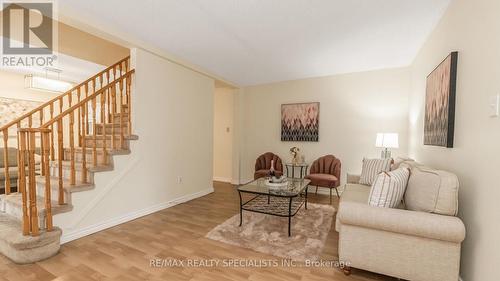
(439, 120)
(300, 122)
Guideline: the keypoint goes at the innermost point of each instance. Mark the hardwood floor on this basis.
(125, 251)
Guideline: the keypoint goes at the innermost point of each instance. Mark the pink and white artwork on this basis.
(300, 122)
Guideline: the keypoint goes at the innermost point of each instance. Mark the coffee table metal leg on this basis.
(290, 217)
(241, 208)
(307, 187)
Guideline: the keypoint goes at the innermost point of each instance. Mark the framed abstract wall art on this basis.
(300, 122)
(439, 119)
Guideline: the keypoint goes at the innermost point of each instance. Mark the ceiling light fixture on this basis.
(41, 83)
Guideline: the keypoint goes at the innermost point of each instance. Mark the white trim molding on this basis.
(223, 179)
(73, 235)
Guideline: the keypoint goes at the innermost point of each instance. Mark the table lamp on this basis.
(386, 141)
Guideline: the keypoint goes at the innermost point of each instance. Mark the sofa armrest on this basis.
(351, 178)
(427, 225)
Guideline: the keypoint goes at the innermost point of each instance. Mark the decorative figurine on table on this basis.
(294, 151)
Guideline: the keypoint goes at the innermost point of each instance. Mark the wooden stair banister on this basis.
(83, 105)
(101, 98)
(46, 110)
(31, 222)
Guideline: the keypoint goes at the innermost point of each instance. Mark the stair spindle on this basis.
(60, 156)
(22, 181)
(45, 163)
(41, 142)
(6, 160)
(94, 129)
(61, 104)
(41, 116)
(113, 112)
(78, 94)
(72, 148)
(32, 185)
(122, 142)
(106, 93)
(86, 110)
(103, 129)
(84, 144)
(52, 150)
(18, 139)
(129, 104)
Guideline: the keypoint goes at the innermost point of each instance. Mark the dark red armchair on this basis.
(325, 172)
(263, 165)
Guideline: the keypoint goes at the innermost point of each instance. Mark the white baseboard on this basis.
(223, 179)
(73, 235)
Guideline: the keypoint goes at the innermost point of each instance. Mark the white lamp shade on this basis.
(387, 140)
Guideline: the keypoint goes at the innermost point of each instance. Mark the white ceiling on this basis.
(251, 42)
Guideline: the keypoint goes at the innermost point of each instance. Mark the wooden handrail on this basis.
(44, 105)
(46, 111)
(87, 99)
(113, 100)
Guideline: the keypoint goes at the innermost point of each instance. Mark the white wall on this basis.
(353, 108)
(172, 111)
(223, 139)
(473, 29)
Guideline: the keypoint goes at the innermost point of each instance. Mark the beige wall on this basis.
(172, 115)
(223, 133)
(353, 108)
(473, 29)
(83, 45)
(12, 86)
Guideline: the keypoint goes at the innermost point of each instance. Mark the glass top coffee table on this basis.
(283, 202)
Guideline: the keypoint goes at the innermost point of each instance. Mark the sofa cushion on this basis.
(353, 192)
(400, 160)
(356, 193)
(389, 188)
(11, 155)
(371, 168)
(432, 191)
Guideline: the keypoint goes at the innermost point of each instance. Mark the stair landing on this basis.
(26, 249)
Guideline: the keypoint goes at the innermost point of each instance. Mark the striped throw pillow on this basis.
(389, 188)
(371, 169)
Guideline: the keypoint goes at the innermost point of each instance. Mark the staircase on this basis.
(79, 133)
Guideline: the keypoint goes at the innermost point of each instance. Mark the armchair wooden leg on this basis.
(347, 270)
(316, 190)
(337, 190)
(330, 196)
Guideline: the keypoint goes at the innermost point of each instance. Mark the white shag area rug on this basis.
(269, 234)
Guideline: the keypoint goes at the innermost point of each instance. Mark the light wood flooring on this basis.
(124, 252)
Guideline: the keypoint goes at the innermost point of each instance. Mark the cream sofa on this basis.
(419, 241)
